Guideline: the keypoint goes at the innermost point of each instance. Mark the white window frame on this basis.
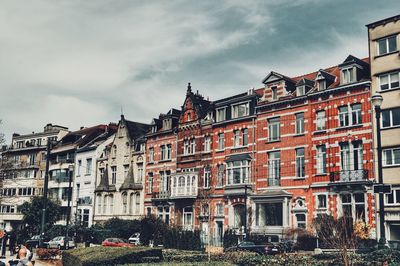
(240, 167)
(299, 123)
(393, 156)
(300, 163)
(236, 109)
(274, 126)
(318, 202)
(321, 120)
(245, 137)
(236, 138)
(300, 90)
(391, 111)
(113, 174)
(321, 159)
(187, 217)
(221, 141)
(151, 154)
(389, 77)
(348, 75)
(207, 143)
(220, 114)
(274, 165)
(274, 93)
(207, 177)
(386, 40)
(396, 197)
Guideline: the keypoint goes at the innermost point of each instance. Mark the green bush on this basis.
(104, 256)
(152, 228)
(179, 239)
(383, 255)
(230, 239)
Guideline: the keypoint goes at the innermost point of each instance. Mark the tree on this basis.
(32, 214)
(340, 233)
(152, 228)
(122, 228)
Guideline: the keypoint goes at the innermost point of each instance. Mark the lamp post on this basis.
(376, 101)
(70, 172)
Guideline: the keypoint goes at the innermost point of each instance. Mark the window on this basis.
(321, 201)
(150, 184)
(221, 114)
(98, 200)
(220, 175)
(124, 202)
(207, 143)
(351, 155)
(389, 81)
(113, 175)
(151, 154)
(105, 200)
(126, 171)
(343, 116)
(140, 172)
(391, 118)
(273, 129)
(300, 162)
(321, 84)
(101, 172)
(187, 217)
(387, 45)
(240, 110)
(163, 213)
(137, 201)
(269, 214)
(274, 168)
(391, 156)
(219, 209)
(274, 91)
(131, 203)
(350, 116)
(111, 204)
(321, 159)
(236, 138)
(394, 197)
(114, 151)
(301, 90)
(189, 146)
(88, 166)
(79, 168)
(167, 123)
(166, 152)
(301, 220)
(245, 137)
(239, 215)
(207, 177)
(300, 123)
(321, 120)
(348, 75)
(221, 141)
(164, 181)
(238, 172)
(353, 206)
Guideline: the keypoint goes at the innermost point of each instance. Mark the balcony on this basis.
(239, 189)
(349, 176)
(184, 185)
(162, 195)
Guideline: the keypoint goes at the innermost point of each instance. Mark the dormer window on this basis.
(189, 116)
(221, 114)
(274, 91)
(348, 75)
(153, 129)
(301, 90)
(240, 110)
(321, 84)
(167, 124)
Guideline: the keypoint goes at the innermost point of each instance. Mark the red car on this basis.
(116, 242)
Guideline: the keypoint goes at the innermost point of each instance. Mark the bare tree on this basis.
(339, 233)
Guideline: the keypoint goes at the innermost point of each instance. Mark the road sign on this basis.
(382, 188)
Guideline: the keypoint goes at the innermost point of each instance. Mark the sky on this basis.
(82, 63)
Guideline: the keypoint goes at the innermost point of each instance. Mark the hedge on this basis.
(104, 256)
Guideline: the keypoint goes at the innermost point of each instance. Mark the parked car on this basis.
(60, 243)
(135, 239)
(116, 242)
(268, 249)
(33, 242)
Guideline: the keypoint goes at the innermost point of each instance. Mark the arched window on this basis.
(111, 203)
(124, 202)
(98, 199)
(239, 215)
(127, 148)
(137, 200)
(105, 199)
(131, 203)
(114, 151)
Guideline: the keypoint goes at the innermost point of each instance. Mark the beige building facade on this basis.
(384, 46)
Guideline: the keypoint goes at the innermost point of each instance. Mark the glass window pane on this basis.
(386, 118)
(397, 193)
(396, 156)
(359, 198)
(384, 81)
(396, 117)
(382, 47)
(387, 156)
(392, 44)
(394, 80)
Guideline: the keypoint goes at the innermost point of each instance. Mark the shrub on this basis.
(152, 228)
(102, 256)
(383, 255)
(179, 239)
(230, 239)
(47, 253)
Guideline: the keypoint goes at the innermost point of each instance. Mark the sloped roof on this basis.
(104, 183)
(135, 129)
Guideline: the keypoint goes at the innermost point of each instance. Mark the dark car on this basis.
(269, 249)
(33, 242)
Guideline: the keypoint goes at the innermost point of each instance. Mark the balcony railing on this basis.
(349, 176)
(161, 195)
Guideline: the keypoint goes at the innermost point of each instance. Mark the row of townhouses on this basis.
(262, 161)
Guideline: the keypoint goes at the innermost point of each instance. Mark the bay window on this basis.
(238, 172)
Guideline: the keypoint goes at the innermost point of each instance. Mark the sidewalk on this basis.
(37, 262)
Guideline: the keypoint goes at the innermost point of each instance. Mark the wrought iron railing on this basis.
(349, 176)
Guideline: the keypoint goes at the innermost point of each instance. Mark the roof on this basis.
(383, 21)
(135, 129)
(199, 103)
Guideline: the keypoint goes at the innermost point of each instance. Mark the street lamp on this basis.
(70, 172)
(376, 101)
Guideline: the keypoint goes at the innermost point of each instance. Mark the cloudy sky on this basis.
(76, 63)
